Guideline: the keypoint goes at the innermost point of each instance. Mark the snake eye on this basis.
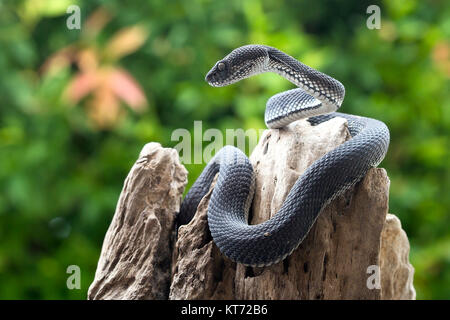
(221, 66)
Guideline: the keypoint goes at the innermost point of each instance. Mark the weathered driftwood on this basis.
(136, 253)
(397, 273)
(352, 236)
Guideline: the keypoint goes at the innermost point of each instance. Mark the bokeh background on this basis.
(76, 107)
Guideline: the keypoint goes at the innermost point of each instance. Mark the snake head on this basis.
(241, 63)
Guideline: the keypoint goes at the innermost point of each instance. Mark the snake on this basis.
(315, 99)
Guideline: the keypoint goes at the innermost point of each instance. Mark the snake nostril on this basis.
(210, 76)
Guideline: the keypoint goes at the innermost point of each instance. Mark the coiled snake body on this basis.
(316, 98)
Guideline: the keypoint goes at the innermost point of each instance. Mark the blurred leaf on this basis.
(81, 85)
(96, 22)
(33, 10)
(126, 88)
(126, 41)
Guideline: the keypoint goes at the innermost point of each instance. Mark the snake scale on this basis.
(317, 98)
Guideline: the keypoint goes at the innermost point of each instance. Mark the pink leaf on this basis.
(127, 89)
(81, 86)
(104, 108)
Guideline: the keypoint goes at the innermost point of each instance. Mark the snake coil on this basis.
(317, 98)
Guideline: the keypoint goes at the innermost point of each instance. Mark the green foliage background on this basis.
(60, 176)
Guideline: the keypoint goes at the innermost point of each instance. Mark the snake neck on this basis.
(329, 91)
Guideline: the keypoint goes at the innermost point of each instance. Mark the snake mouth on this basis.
(214, 79)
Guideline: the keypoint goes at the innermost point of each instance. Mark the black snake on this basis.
(316, 98)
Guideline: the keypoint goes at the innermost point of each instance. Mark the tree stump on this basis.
(355, 250)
